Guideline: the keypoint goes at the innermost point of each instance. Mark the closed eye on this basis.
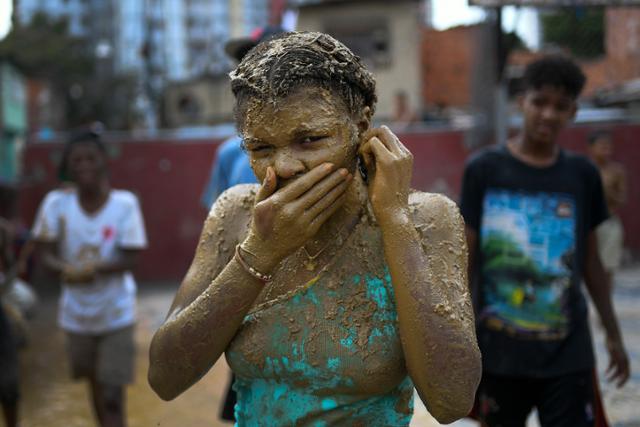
(257, 148)
(311, 139)
(254, 147)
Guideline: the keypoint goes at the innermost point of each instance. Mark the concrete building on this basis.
(246, 15)
(126, 35)
(448, 59)
(386, 35)
(165, 40)
(75, 11)
(13, 121)
(204, 101)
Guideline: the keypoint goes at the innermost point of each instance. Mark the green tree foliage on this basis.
(581, 30)
(45, 50)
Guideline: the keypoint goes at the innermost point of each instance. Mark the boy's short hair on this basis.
(557, 71)
(598, 134)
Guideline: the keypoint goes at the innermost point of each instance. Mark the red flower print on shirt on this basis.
(107, 232)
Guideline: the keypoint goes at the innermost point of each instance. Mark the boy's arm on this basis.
(620, 193)
(597, 284)
(126, 262)
(471, 197)
(48, 255)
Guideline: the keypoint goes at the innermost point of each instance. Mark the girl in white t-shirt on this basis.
(91, 235)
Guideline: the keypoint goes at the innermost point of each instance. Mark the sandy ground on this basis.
(50, 399)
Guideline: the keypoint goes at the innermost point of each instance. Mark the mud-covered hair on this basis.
(77, 138)
(555, 70)
(277, 67)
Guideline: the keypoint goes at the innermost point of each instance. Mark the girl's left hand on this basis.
(389, 168)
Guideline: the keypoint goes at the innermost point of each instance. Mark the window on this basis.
(368, 38)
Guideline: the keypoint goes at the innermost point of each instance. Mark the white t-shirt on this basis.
(109, 302)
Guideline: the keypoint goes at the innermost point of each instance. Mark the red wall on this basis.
(169, 178)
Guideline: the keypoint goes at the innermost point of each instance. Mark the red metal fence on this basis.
(169, 178)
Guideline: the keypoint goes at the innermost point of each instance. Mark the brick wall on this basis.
(623, 43)
(447, 59)
(447, 64)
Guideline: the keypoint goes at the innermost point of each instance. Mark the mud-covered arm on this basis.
(427, 257)
(425, 249)
(472, 243)
(210, 304)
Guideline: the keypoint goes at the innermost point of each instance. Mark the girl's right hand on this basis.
(286, 218)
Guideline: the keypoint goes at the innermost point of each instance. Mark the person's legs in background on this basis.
(567, 401)
(106, 360)
(116, 351)
(505, 401)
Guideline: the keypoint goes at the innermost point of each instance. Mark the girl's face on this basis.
(307, 128)
(86, 165)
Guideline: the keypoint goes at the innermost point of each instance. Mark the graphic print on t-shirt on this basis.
(527, 245)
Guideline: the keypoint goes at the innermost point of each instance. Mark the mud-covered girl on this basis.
(332, 287)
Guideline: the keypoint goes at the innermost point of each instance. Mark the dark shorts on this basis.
(565, 401)
(108, 357)
(8, 361)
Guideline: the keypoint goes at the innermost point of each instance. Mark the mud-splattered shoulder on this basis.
(230, 215)
(436, 216)
(423, 205)
(237, 199)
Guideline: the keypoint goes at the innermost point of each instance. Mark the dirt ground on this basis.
(50, 399)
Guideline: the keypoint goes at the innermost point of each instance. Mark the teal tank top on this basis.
(328, 353)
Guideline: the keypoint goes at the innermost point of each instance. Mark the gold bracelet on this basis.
(265, 278)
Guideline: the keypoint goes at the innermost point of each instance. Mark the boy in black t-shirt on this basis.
(531, 211)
